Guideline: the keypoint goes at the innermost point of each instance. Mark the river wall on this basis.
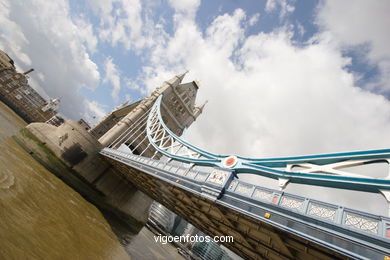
(72, 153)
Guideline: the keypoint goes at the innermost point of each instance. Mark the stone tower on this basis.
(178, 112)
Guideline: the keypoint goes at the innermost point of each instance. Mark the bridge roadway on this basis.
(265, 223)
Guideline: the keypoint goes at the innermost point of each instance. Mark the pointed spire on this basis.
(181, 76)
(204, 104)
(199, 110)
(176, 80)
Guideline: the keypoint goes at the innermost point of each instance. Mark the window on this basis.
(181, 110)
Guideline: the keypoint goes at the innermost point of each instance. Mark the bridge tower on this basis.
(178, 112)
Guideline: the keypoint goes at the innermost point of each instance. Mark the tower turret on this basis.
(178, 112)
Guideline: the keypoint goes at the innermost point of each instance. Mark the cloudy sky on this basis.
(282, 77)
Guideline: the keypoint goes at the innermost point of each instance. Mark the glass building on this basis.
(162, 217)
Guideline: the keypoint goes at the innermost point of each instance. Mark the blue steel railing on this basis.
(365, 223)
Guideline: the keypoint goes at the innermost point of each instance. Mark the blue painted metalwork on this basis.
(158, 133)
(353, 233)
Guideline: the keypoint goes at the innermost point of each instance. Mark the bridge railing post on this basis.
(386, 228)
(305, 206)
(339, 215)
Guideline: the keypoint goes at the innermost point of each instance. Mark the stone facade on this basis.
(5, 61)
(178, 113)
(20, 96)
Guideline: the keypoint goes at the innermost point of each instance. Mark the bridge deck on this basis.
(265, 223)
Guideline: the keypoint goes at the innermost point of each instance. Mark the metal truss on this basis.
(353, 233)
(172, 146)
(328, 170)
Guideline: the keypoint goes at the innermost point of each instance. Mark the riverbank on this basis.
(48, 159)
(41, 216)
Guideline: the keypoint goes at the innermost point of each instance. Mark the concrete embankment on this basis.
(72, 155)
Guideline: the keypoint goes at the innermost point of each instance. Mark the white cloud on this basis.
(94, 111)
(254, 19)
(86, 34)
(11, 32)
(354, 23)
(41, 34)
(285, 7)
(135, 86)
(300, 29)
(185, 5)
(225, 32)
(270, 5)
(126, 23)
(185, 8)
(118, 25)
(268, 97)
(270, 80)
(112, 77)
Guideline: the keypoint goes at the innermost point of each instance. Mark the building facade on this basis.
(161, 217)
(5, 61)
(20, 96)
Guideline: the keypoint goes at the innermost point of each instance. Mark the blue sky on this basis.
(282, 77)
(108, 29)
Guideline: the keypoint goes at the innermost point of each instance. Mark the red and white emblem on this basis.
(230, 161)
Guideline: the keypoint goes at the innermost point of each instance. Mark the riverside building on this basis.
(20, 96)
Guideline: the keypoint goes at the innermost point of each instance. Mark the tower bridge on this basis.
(202, 187)
(146, 159)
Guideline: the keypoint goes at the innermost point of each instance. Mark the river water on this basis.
(43, 218)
